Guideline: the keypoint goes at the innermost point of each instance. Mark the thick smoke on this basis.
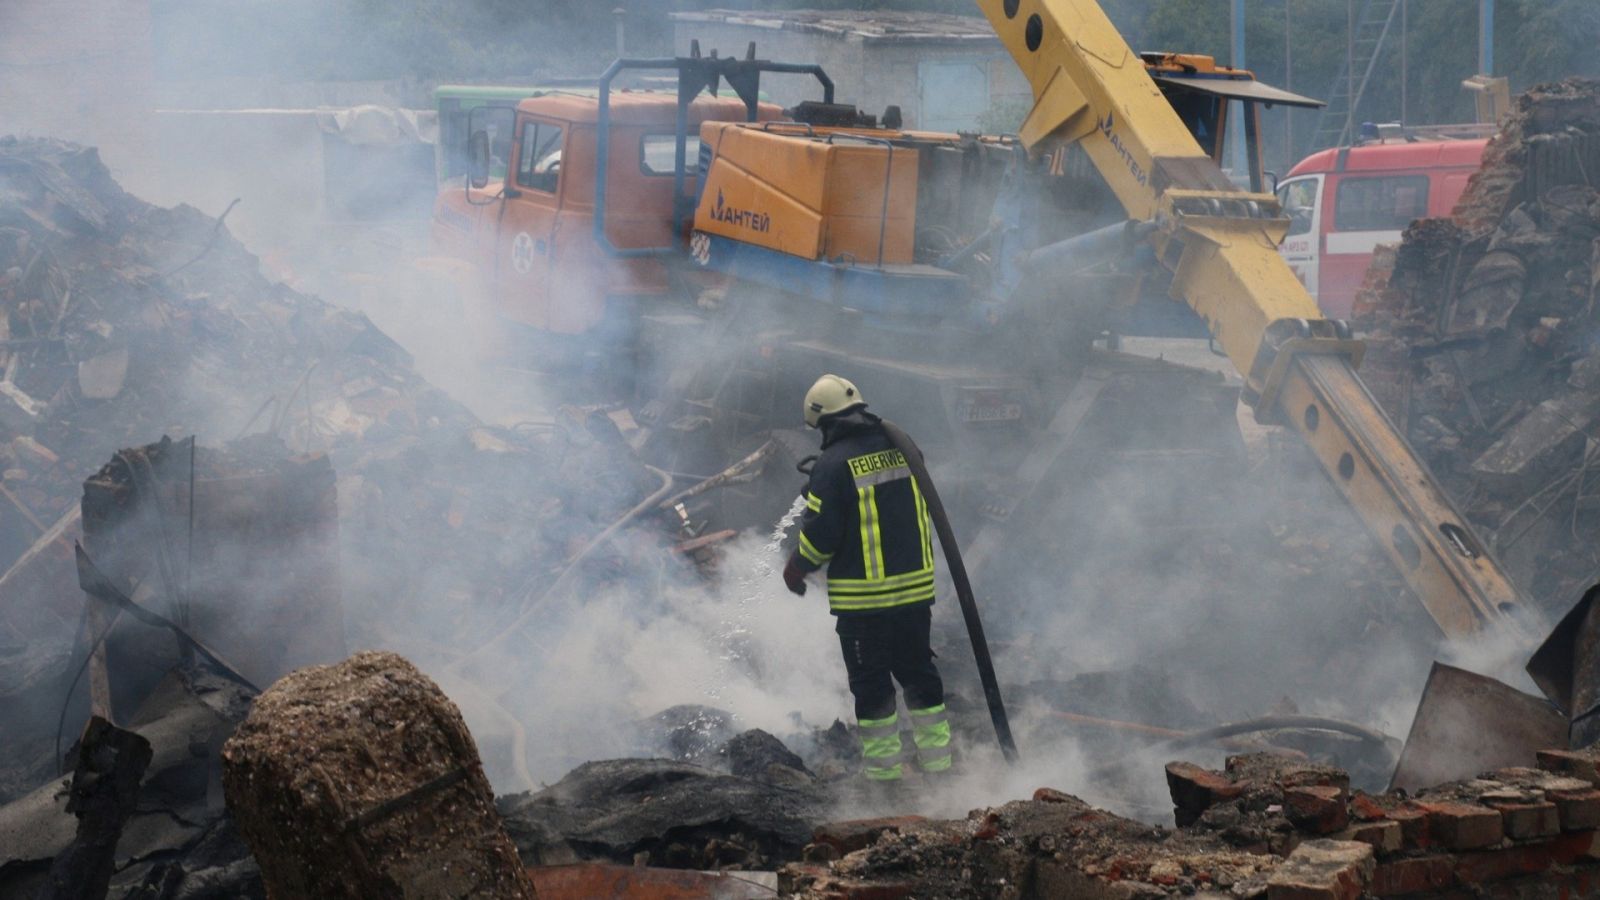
(1265, 596)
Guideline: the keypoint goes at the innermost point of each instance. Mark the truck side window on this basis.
(1380, 204)
(1299, 202)
(539, 163)
(658, 153)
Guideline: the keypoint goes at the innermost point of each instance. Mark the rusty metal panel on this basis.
(1468, 723)
(1566, 667)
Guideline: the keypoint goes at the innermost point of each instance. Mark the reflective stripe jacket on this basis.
(866, 520)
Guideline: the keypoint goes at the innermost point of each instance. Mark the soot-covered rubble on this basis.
(1481, 341)
(121, 322)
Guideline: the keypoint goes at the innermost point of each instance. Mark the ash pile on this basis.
(1482, 334)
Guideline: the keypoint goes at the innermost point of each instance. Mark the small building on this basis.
(945, 72)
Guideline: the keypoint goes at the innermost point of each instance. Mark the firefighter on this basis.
(866, 520)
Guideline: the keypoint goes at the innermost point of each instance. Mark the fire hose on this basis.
(963, 585)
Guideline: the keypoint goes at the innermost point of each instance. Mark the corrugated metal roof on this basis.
(868, 26)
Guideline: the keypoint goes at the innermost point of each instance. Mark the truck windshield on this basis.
(1200, 113)
(455, 119)
(539, 163)
(1299, 202)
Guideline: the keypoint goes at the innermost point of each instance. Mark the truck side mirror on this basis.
(1272, 177)
(478, 159)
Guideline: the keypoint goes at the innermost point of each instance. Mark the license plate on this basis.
(990, 412)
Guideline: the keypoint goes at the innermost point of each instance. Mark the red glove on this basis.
(794, 576)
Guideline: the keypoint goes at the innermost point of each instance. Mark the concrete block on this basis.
(1549, 436)
(1323, 870)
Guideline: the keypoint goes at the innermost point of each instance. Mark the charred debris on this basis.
(196, 602)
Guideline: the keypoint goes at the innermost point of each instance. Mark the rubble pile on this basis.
(175, 842)
(360, 780)
(120, 320)
(1482, 332)
(1264, 827)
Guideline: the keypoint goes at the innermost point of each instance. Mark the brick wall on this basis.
(81, 70)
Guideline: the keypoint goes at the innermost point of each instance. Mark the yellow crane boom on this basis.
(1221, 243)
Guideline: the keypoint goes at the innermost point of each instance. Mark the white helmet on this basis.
(829, 396)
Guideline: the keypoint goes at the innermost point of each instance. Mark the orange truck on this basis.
(532, 240)
(1343, 202)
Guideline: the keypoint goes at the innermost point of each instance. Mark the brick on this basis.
(1526, 821)
(856, 834)
(1384, 836)
(1323, 870)
(1413, 876)
(1571, 763)
(1462, 826)
(1316, 808)
(1364, 807)
(1413, 824)
(1051, 795)
(1496, 865)
(1195, 790)
(1579, 810)
(1576, 847)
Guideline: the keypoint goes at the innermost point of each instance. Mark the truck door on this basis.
(1367, 211)
(525, 238)
(1301, 202)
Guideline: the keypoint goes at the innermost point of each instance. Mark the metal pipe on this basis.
(1239, 108)
(1288, 85)
(603, 154)
(1349, 72)
(680, 152)
(1486, 37)
(1063, 256)
(1405, 61)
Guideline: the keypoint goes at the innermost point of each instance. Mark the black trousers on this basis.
(889, 645)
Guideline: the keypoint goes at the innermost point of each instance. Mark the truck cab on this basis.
(1343, 202)
(526, 228)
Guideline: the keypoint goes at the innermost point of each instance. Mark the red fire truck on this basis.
(1343, 202)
